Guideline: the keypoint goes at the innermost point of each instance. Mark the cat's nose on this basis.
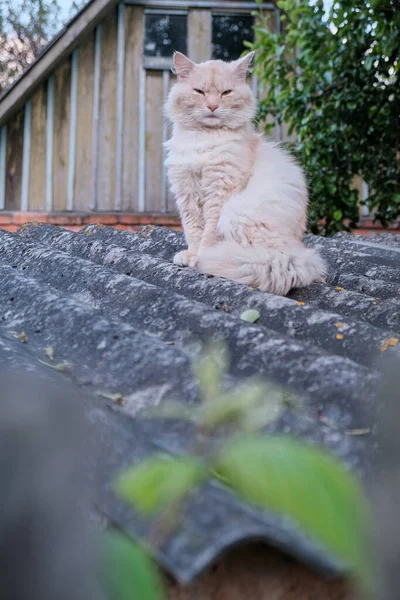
(212, 107)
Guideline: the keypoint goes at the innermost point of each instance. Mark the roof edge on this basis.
(54, 53)
(69, 38)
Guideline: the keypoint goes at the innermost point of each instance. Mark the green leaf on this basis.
(368, 62)
(211, 367)
(338, 215)
(304, 483)
(253, 405)
(159, 481)
(128, 571)
(251, 316)
(171, 410)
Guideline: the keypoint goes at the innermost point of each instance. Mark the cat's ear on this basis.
(182, 66)
(242, 65)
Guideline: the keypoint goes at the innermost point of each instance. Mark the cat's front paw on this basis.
(184, 258)
(193, 262)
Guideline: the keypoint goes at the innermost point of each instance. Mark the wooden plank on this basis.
(154, 138)
(359, 184)
(72, 129)
(26, 156)
(56, 53)
(166, 135)
(49, 143)
(106, 171)
(120, 105)
(37, 174)
(3, 154)
(62, 86)
(134, 28)
(199, 34)
(171, 203)
(96, 115)
(83, 164)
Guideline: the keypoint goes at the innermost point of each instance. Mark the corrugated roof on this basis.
(107, 301)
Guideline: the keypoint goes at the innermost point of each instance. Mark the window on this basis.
(164, 34)
(229, 32)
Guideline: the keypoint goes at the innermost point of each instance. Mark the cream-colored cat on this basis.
(242, 200)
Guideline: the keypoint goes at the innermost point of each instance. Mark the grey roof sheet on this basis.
(108, 300)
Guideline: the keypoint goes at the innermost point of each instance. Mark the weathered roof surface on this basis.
(107, 301)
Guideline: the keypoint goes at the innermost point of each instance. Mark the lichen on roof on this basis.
(130, 323)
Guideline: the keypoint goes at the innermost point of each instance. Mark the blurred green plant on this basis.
(334, 80)
(274, 473)
(128, 572)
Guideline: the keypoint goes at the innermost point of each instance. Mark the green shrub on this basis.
(334, 79)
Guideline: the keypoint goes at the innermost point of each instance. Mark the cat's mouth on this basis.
(213, 118)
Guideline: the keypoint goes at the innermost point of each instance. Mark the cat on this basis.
(242, 200)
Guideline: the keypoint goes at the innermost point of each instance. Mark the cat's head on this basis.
(212, 94)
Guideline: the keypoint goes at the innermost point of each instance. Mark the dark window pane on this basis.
(164, 35)
(229, 34)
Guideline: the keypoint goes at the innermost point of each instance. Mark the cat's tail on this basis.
(271, 270)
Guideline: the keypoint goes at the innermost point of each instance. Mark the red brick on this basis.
(124, 227)
(9, 227)
(125, 219)
(102, 219)
(19, 218)
(132, 219)
(133, 222)
(64, 219)
(73, 227)
(360, 231)
(369, 224)
(166, 220)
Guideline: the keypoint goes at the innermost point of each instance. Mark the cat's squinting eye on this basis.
(198, 91)
(226, 93)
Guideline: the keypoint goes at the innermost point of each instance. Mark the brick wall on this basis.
(75, 221)
(131, 222)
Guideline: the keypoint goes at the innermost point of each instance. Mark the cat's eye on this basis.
(226, 93)
(198, 91)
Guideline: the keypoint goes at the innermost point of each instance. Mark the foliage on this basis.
(159, 481)
(128, 571)
(287, 476)
(272, 472)
(25, 27)
(334, 79)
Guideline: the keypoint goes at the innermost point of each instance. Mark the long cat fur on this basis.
(242, 200)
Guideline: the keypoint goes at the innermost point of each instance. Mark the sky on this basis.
(65, 8)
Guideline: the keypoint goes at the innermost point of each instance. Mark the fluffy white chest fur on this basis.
(242, 200)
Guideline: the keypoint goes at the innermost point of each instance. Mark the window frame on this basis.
(160, 63)
(228, 13)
